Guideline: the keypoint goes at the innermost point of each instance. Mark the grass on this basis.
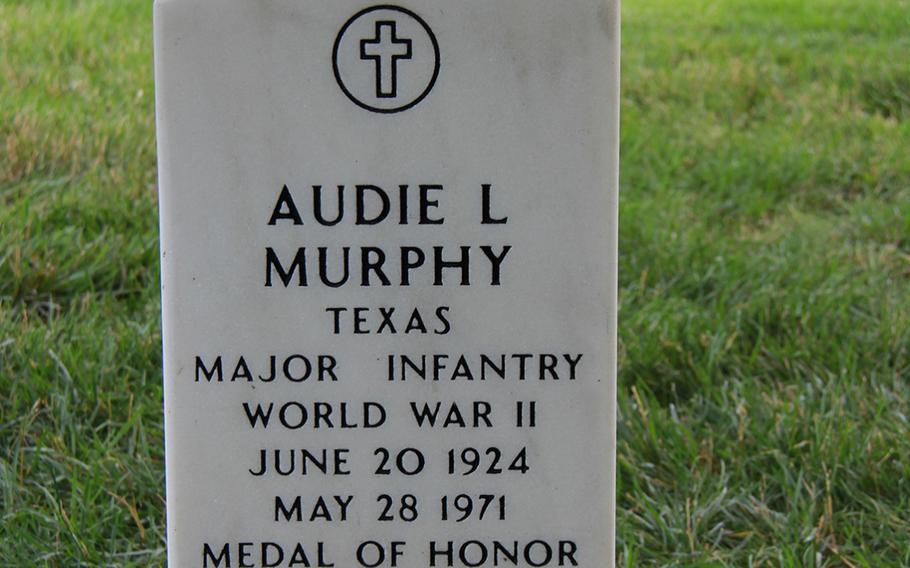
(765, 278)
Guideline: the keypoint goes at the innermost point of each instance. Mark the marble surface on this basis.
(388, 246)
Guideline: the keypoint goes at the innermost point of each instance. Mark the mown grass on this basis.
(765, 277)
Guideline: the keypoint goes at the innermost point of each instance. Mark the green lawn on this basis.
(765, 277)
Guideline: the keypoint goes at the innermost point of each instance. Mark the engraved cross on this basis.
(386, 50)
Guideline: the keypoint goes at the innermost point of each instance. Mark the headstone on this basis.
(388, 247)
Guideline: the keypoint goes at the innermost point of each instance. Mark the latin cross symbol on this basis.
(386, 50)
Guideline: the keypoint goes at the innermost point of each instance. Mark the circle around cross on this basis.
(385, 50)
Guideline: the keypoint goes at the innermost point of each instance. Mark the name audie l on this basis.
(366, 266)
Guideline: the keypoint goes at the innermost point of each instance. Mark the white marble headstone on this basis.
(388, 245)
